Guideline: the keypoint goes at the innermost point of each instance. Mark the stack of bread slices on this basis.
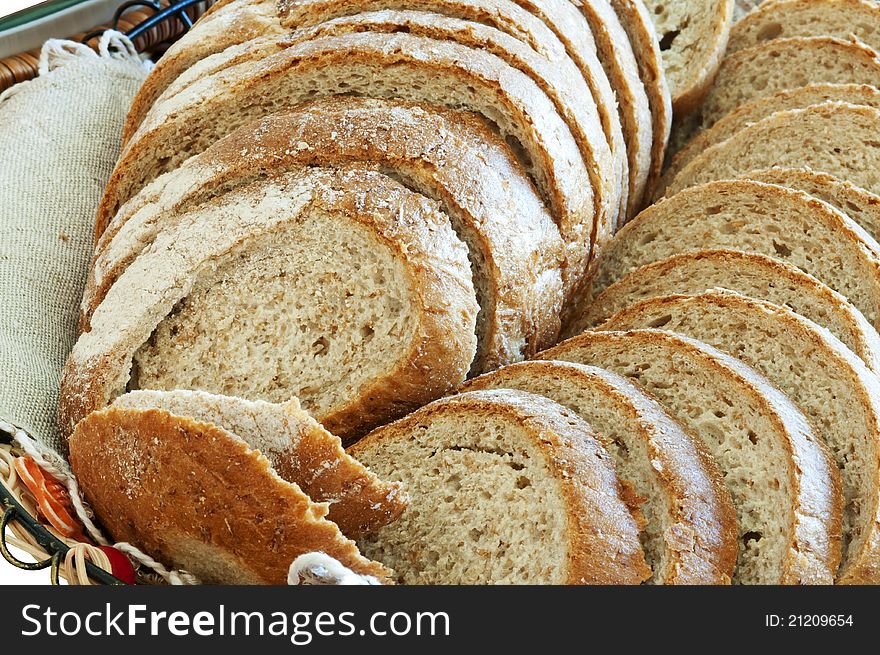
(390, 213)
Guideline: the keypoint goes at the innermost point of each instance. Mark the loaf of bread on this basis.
(827, 381)
(452, 157)
(197, 499)
(753, 217)
(298, 448)
(507, 488)
(218, 304)
(690, 524)
(784, 486)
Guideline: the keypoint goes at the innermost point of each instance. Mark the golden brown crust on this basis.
(461, 161)
(200, 499)
(861, 564)
(700, 538)
(815, 513)
(602, 533)
(217, 30)
(436, 359)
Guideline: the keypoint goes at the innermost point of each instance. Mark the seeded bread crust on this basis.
(861, 557)
(298, 448)
(214, 32)
(553, 28)
(199, 497)
(699, 539)
(249, 91)
(842, 142)
(814, 515)
(751, 274)
(695, 37)
(751, 112)
(560, 80)
(639, 26)
(788, 18)
(602, 533)
(450, 156)
(438, 351)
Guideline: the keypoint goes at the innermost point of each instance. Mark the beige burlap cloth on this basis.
(59, 139)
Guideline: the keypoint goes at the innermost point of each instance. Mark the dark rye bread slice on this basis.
(451, 157)
(638, 24)
(375, 65)
(693, 37)
(784, 487)
(553, 28)
(750, 274)
(341, 288)
(859, 204)
(298, 448)
(775, 66)
(833, 137)
(507, 488)
(200, 499)
(787, 18)
(690, 524)
(755, 110)
(826, 380)
(753, 217)
(226, 26)
(560, 80)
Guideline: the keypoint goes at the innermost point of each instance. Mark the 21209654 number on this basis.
(808, 620)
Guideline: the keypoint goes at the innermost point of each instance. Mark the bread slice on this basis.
(239, 522)
(753, 111)
(376, 65)
(560, 80)
(341, 288)
(787, 18)
(639, 27)
(690, 524)
(619, 61)
(298, 448)
(553, 28)
(451, 157)
(778, 65)
(507, 488)
(784, 487)
(753, 217)
(826, 380)
(842, 141)
(693, 38)
(227, 26)
(859, 204)
(750, 274)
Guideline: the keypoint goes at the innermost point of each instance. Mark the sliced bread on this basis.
(750, 274)
(690, 534)
(826, 380)
(135, 483)
(341, 288)
(298, 448)
(753, 217)
(638, 24)
(451, 157)
(784, 487)
(833, 137)
(227, 26)
(507, 488)
(786, 18)
(859, 204)
(753, 111)
(777, 65)
(376, 65)
(693, 37)
(559, 79)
